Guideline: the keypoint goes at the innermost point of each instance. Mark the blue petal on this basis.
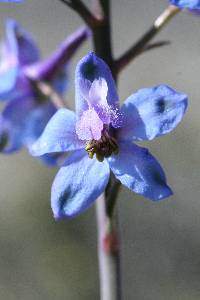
(53, 159)
(59, 135)
(25, 119)
(15, 1)
(78, 184)
(20, 44)
(152, 112)
(137, 169)
(89, 69)
(14, 116)
(190, 4)
(7, 82)
(37, 121)
(17, 50)
(54, 68)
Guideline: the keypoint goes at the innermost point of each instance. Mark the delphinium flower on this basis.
(27, 109)
(15, 1)
(100, 138)
(190, 4)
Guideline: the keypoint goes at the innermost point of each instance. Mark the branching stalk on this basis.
(81, 9)
(142, 44)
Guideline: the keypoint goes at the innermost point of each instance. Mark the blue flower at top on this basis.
(15, 1)
(27, 111)
(190, 4)
(100, 138)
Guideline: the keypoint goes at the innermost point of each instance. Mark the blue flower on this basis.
(15, 1)
(190, 4)
(27, 110)
(100, 138)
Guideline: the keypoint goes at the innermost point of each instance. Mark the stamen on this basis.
(104, 147)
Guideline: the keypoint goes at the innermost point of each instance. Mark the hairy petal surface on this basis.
(190, 4)
(89, 126)
(78, 184)
(137, 169)
(152, 112)
(89, 69)
(59, 135)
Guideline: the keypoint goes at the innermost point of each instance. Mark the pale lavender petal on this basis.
(89, 126)
(98, 93)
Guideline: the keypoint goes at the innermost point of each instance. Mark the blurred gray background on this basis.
(43, 259)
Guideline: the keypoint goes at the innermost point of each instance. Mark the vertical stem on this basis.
(102, 37)
(109, 245)
(108, 236)
(108, 251)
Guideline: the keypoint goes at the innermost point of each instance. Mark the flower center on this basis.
(104, 147)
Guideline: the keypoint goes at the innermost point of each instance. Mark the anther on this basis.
(104, 147)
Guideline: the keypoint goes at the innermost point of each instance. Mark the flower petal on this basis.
(20, 45)
(78, 184)
(17, 50)
(14, 133)
(14, 116)
(89, 69)
(54, 68)
(190, 4)
(152, 112)
(59, 135)
(37, 121)
(53, 159)
(25, 120)
(7, 82)
(98, 93)
(137, 169)
(89, 126)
